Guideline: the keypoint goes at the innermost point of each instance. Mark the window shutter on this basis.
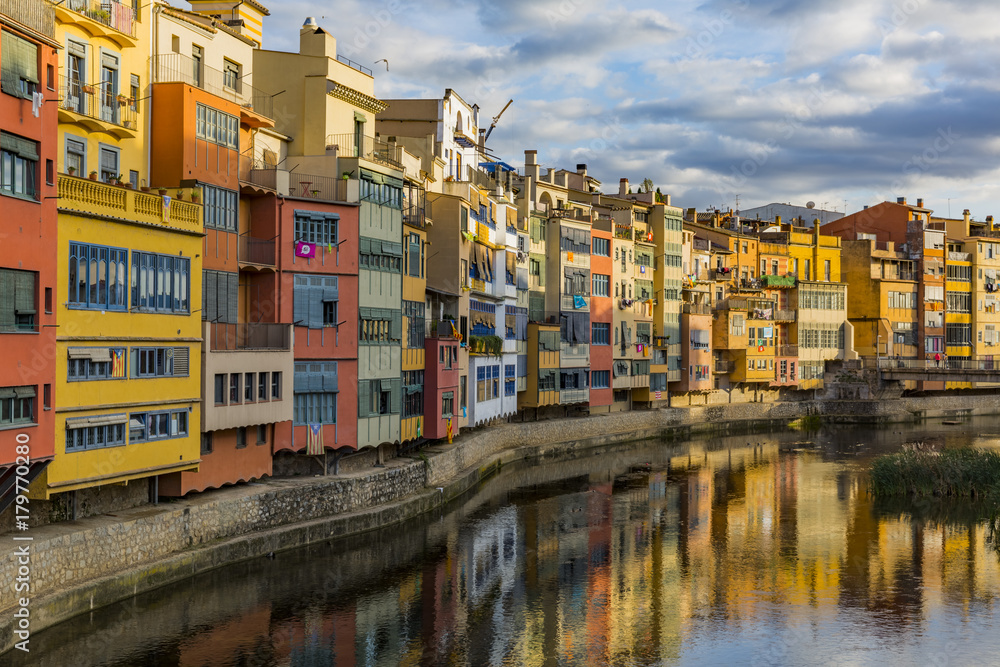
(301, 383)
(209, 296)
(133, 362)
(300, 305)
(364, 397)
(331, 289)
(315, 378)
(315, 307)
(181, 361)
(330, 376)
(233, 296)
(396, 397)
(396, 332)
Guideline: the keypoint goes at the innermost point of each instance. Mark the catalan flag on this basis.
(314, 441)
(117, 363)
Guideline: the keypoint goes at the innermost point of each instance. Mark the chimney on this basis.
(482, 145)
(965, 214)
(920, 202)
(623, 186)
(666, 199)
(901, 200)
(777, 220)
(582, 170)
(866, 207)
(531, 164)
(314, 41)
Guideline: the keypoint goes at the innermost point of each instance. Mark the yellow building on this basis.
(415, 221)
(543, 367)
(102, 112)
(128, 350)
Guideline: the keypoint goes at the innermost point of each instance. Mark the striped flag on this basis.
(314, 441)
(450, 432)
(117, 363)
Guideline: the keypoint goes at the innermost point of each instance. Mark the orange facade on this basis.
(601, 311)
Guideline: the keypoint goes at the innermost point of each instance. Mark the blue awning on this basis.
(492, 166)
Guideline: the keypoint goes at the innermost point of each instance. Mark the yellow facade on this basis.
(104, 53)
(97, 216)
(543, 360)
(414, 290)
(958, 291)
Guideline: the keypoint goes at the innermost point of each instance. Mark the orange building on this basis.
(27, 236)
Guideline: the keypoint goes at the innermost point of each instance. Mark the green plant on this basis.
(967, 473)
(488, 345)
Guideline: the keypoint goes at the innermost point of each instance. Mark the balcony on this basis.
(572, 356)
(368, 148)
(39, 16)
(781, 282)
(788, 351)
(959, 257)
(623, 232)
(567, 303)
(569, 396)
(256, 252)
(353, 65)
(250, 336)
(414, 204)
(724, 367)
(696, 309)
(323, 188)
(94, 198)
(257, 174)
(100, 18)
(255, 105)
(674, 375)
(97, 108)
(784, 315)
(441, 328)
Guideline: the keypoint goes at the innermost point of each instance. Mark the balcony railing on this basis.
(257, 173)
(311, 186)
(350, 63)
(113, 14)
(176, 67)
(724, 367)
(256, 251)
(441, 328)
(95, 198)
(788, 350)
(368, 148)
(696, 309)
(778, 281)
(250, 336)
(784, 315)
(37, 15)
(959, 257)
(98, 101)
(414, 202)
(623, 232)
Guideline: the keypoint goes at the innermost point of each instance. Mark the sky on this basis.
(719, 102)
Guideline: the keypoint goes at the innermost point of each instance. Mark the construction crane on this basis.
(495, 119)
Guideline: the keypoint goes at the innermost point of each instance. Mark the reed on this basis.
(955, 473)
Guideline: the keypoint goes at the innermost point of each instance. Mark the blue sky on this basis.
(770, 100)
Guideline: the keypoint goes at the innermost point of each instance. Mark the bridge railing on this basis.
(890, 363)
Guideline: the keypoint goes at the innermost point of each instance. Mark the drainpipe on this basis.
(154, 51)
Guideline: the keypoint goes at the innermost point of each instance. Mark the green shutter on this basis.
(24, 292)
(315, 307)
(396, 327)
(210, 298)
(233, 296)
(364, 397)
(7, 307)
(396, 397)
(300, 305)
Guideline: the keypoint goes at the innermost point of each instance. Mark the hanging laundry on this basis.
(579, 302)
(36, 103)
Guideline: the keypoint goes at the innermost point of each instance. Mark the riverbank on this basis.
(81, 565)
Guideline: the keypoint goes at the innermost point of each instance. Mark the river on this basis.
(760, 549)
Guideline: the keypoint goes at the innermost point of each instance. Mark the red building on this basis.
(441, 379)
(601, 315)
(28, 287)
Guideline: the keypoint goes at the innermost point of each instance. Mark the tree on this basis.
(647, 185)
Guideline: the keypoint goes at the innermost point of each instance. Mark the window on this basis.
(826, 270)
(487, 383)
(219, 296)
(316, 228)
(221, 208)
(510, 380)
(160, 283)
(220, 388)
(95, 432)
(548, 379)
(379, 397)
(600, 379)
(463, 389)
(576, 240)
(276, 386)
(249, 385)
(17, 404)
(958, 334)
(18, 164)
(376, 255)
(262, 434)
(206, 443)
(95, 363)
(197, 64)
(316, 388)
(413, 255)
(414, 312)
(379, 326)
(903, 300)
(160, 425)
(231, 75)
(109, 161)
(447, 404)
(465, 219)
(18, 66)
(737, 323)
(97, 277)
(215, 126)
(380, 189)
(76, 155)
(601, 284)
(17, 301)
(241, 437)
(234, 388)
(262, 386)
(959, 302)
(413, 393)
(160, 361)
(602, 247)
(959, 272)
(600, 333)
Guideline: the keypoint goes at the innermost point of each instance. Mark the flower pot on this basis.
(71, 171)
(195, 199)
(93, 175)
(144, 188)
(162, 191)
(180, 195)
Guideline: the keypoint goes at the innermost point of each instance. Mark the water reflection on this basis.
(752, 550)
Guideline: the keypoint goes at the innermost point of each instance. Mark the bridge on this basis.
(946, 370)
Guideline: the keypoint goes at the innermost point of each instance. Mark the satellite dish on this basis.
(810, 204)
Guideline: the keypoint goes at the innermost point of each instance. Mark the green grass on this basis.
(954, 473)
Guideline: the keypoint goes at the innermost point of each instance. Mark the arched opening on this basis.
(458, 123)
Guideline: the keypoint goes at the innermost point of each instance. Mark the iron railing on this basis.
(98, 101)
(258, 173)
(38, 15)
(414, 202)
(116, 15)
(256, 251)
(250, 336)
(724, 367)
(368, 148)
(350, 63)
(177, 67)
(788, 350)
(312, 186)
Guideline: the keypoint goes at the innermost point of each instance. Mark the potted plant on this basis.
(122, 100)
(87, 89)
(93, 175)
(195, 196)
(119, 180)
(180, 195)
(143, 186)
(71, 170)
(162, 191)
